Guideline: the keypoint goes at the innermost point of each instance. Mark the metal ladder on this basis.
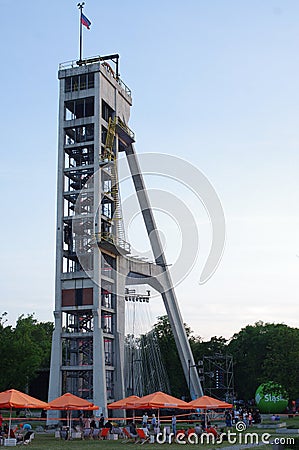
(108, 151)
(110, 156)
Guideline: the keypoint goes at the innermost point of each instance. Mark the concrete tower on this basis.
(91, 268)
(86, 357)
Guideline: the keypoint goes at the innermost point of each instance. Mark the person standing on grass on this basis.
(173, 424)
(101, 421)
(144, 420)
(154, 421)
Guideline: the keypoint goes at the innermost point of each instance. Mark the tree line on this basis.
(260, 352)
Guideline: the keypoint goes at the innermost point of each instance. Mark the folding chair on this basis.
(104, 433)
(191, 431)
(31, 437)
(143, 438)
(76, 434)
(180, 432)
(27, 438)
(86, 433)
(96, 433)
(128, 436)
(64, 434)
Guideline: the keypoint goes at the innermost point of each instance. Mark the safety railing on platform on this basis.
(74, 63)
(125, 127)
(114, 240)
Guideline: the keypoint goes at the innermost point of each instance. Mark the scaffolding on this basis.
(218, 376)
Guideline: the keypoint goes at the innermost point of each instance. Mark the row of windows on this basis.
(84, 107)
(76, 135)
(77, 157)
(79, 82)
(81, 381)
(76, 109)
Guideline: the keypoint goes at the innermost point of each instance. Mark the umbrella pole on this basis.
(9, 427)
(70, 425)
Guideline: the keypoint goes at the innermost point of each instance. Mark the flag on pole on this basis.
(86, 22)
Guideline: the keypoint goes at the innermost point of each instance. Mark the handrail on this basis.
(125, 127)
(115, 240)
(72, 64)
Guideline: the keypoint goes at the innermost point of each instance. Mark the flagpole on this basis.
(80, 6)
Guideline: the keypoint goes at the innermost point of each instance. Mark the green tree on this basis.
(261, 352)
(248, 350)
(264, 352)
(281, 363)
(200, 348)
(24, 349)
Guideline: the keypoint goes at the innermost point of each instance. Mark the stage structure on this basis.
(92, 255)
(218, 376)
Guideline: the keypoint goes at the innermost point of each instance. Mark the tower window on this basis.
(76, 109)
(76, 135)
(79, 82)
(107, 323)
(107, 111)
(90, 81)
(108, 346)
(109, 384)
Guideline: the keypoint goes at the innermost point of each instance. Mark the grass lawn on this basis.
(44, 441)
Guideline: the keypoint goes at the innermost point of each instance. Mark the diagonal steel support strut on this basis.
(167, 290)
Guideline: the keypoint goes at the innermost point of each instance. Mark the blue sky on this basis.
(213, 82)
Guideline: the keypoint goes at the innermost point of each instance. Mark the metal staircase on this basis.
(108, 154)
(110, 158)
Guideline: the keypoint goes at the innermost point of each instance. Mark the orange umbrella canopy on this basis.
(16, 399)
(159, 400)
(71, 402)
(206, 402)
(123, 404)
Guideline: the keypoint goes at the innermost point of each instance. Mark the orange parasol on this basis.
(206, 402)
(70, 402)
(123, 403)
(159, 400)
(16, 399)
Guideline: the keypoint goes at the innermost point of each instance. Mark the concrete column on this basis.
(168, 294)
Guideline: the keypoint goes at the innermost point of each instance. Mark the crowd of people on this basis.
(20, 433)
(247, 415)
(91, 426)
